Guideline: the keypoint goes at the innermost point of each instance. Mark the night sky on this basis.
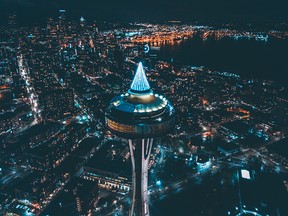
(148, 10)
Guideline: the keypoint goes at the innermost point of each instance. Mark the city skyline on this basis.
(141, 118)
(211, 11)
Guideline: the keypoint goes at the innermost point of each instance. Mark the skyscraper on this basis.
(140, 115)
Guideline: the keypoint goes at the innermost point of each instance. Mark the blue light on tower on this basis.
(140, 82)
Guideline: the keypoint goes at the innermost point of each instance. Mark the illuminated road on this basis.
(32, 96)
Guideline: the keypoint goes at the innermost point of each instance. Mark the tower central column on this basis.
(140, 150)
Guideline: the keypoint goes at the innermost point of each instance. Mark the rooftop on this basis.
(280, 147)
(111, 158)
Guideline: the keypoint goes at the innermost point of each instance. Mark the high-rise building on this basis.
(140, 115)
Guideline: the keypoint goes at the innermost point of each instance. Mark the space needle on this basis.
(140, 115)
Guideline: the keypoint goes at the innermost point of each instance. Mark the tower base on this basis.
(140, 151)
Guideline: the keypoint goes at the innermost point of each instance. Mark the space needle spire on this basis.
(140, 82)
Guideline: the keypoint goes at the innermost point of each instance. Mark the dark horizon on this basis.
(112, 10)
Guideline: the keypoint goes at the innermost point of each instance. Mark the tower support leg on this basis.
(140, 151)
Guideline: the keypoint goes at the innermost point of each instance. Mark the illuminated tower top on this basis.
(140, 112)
(140, 82)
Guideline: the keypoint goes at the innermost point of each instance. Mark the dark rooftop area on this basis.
(280, 147)
(237, 126)
(104, 159)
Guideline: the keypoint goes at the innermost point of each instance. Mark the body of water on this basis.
(246, 57)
